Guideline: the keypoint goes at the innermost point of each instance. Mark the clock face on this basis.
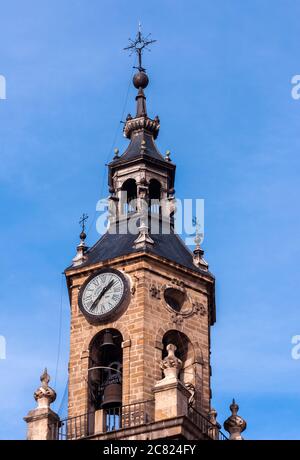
(102, 293)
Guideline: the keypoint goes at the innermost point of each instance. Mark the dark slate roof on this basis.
(133, 150)
(168, 246)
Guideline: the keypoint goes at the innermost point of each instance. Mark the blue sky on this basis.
(220, 81)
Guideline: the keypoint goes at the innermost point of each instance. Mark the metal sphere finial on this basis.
(140, 80)
(82, 236)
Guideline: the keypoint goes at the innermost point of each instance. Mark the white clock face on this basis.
(102, 293)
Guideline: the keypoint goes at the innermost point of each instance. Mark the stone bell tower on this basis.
(142, 306)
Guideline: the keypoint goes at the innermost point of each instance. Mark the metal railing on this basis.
(104, 421)
(129, 415)
(77, 427)
(117, 418)
(206, 427)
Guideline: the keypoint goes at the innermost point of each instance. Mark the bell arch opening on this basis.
(129, 196)
(154, 196)
(105, 370)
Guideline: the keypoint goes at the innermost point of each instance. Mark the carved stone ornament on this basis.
(199, 308)
(133, 287)
(178, 283)
(191, 388)
(171, 365)
(154, 291)
(44, 395)
(143, 180)
(142, 193)
(177, 319)
(133, 124)
(235, 424)
(214, 428)
(212, 416)
(188, 306)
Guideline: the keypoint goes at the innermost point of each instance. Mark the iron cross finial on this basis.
(138, 45)
(83, 218)
(197, 224)
(198, 234)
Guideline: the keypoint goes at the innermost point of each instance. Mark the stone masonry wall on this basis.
(142, 325)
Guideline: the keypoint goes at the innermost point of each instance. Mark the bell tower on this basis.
(142, 305)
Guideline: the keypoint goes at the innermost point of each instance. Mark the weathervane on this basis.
(138, 45)
(198, 234)
(83, 218)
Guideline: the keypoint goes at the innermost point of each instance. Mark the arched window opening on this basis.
(105, 376)
(129, 196)
(154, 196)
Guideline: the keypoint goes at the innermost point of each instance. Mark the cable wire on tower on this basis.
(113, 142)
(59, 329)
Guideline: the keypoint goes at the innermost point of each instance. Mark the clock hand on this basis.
(93, 306)
(107, 288)
(104, 290)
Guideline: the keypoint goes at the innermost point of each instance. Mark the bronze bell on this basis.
(108, 340)
(112, 396)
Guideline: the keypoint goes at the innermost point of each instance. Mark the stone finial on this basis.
(198, 254)
(235, 424)
(171, 365)
(212, 416)
(42, 422)
(143, 239)
(215, 426)
(80, 254)
(168, 155)
(45, 378)
(116, 152)
(44, 395)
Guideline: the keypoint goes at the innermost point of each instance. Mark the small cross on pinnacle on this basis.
(83, 218)
(138, 45)
(81, 248)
